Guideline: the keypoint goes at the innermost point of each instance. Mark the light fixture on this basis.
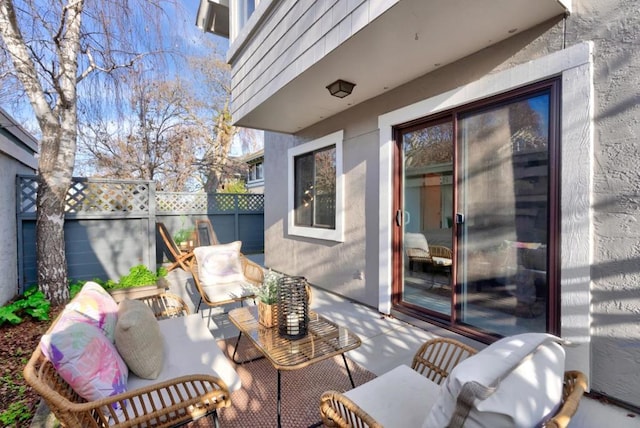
(340, 88)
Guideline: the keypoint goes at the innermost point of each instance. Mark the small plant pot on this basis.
(267, 314)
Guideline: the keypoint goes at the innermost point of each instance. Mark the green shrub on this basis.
(17, 412)
(138, 276)
(32, 303)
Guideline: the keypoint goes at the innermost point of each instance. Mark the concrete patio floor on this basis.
(386, 342)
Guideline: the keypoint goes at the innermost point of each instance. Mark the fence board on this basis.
(110, 224)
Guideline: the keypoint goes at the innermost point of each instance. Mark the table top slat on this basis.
(325, 339)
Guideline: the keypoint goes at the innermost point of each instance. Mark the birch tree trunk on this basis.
(58, 123)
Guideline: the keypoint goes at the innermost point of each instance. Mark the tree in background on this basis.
(54, 47)
(156, 138)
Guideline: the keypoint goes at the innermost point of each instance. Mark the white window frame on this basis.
(336, 234)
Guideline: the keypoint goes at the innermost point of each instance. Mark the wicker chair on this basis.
(180, 258)
(418, 250)
(205, 235)
(183, 399)
(253, 274)
(435, 360)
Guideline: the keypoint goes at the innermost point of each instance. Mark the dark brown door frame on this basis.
(553, 273)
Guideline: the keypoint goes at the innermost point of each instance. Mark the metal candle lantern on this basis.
(293, 307)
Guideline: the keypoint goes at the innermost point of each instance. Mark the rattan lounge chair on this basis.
(180, 258)
(418, 250)
(213, 295)
(435, 360)
(167, 403)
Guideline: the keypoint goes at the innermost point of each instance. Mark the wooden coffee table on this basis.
(325, 339)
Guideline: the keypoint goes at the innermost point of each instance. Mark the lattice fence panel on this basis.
(170, 202)
(28, 193)
(89, 196)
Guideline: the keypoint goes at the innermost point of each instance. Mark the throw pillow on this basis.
(138, 339)
(95, 306)
(219, 264)
(87, 360)
(516, 382)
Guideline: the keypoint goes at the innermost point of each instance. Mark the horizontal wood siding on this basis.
(296, 35)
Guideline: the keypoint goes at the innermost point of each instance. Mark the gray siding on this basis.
(17, 149)
(614, 27)
(296, 36)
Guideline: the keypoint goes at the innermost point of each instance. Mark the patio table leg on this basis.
(279, 422)
(235, 350)
(353, 385)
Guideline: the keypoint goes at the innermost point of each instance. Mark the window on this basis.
(245, 9)
(255, 172)
(315, 188)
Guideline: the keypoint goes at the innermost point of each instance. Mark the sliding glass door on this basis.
(478, 204)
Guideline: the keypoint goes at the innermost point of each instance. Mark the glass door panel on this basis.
(428, 217)
(503, 194)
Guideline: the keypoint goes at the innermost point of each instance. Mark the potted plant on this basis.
(267, 294)
(183, 236)
(139, 282)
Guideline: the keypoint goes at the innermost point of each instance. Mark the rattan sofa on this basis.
(401, 395)
(161, 403)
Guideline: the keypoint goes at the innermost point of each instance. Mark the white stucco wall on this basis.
(612, 267)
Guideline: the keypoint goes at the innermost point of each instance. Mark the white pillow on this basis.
(219, 264)
(515, 382)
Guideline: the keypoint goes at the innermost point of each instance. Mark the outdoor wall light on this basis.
(341, 88)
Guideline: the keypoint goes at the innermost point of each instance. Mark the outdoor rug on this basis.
(254, 404)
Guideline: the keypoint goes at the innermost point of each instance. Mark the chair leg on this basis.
(216, 421)
(199, 303)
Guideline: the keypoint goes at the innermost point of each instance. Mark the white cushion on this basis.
(416, 240)
(190, 348)
(515, 382)
(399, 398)
(441, 261)
(219, 264)
(229, 291)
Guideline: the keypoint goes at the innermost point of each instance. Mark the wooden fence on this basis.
(110, 224)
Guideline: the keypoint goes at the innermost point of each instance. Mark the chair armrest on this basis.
(575, 385)
(437, 357)
(418, 254)
(166, 305)
(440, 251)
(173, 401)
(253, 272)
(339, 411)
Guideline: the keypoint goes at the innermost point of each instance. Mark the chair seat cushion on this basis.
(441, 261)
(225, 292)
(514, 382)
(399, 398)
(190, 348)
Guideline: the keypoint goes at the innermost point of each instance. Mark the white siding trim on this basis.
(312, 232)
(574, 64)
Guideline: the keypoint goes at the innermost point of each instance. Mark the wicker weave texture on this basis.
(164, 404)
(435, 360)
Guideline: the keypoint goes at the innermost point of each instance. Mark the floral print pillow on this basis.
(87, 360)
(95, 306)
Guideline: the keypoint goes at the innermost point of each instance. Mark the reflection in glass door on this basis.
(503, 167)
(428, 216)
(493, 163)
